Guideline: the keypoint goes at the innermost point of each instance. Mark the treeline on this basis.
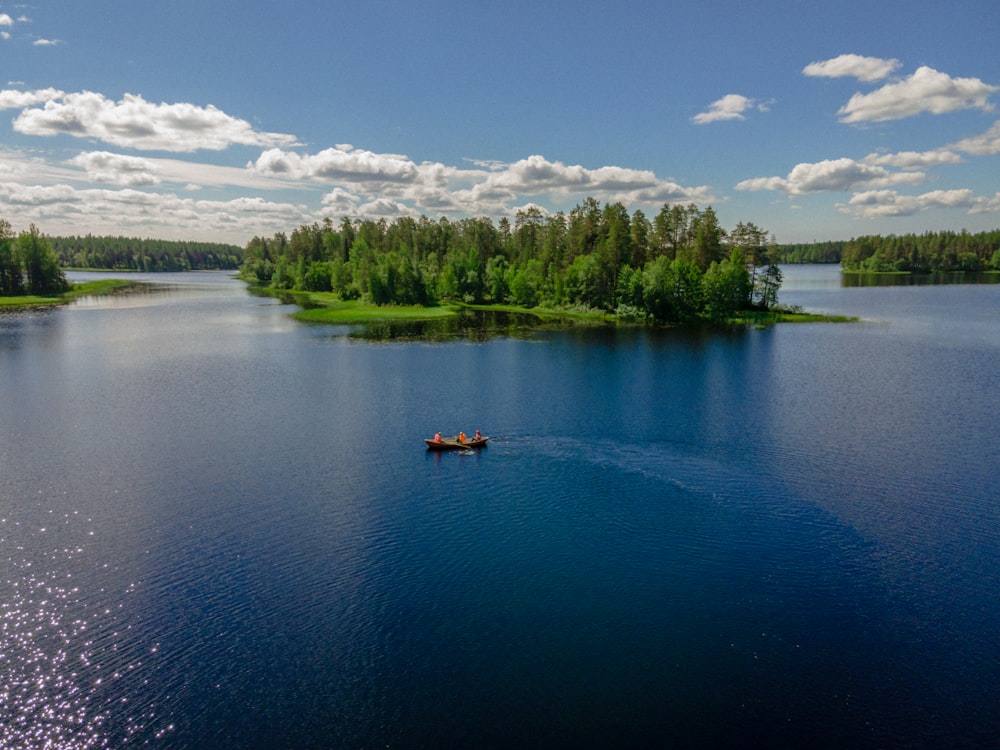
(28, 265)
(134, 254)
(930, 252)
(811, 252)
(680, 266)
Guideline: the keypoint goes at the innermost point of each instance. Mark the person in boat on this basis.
(461, 437)
(479, 435)
(437, 437)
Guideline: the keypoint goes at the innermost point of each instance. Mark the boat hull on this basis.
(452, 444)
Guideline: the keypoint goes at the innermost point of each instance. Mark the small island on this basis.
(599, 264)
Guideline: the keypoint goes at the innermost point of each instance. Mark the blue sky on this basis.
(219, 120)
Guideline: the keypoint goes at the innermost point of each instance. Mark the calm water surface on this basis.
(220, 528)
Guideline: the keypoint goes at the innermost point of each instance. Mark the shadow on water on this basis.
(484, 325)
(471, 325)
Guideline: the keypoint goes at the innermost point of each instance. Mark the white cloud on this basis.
(116, 169)
(852, 66)
(911, 160)
(536, 175)
(63, 209)
(16, 194)
(14, 99)
(135, 123)
(6, 20)
(987, 205)
(729, 107)
(436, 187)
(882, 203)
(340, 163)
(46, 42)
(383, 208)
(927, 90)
(832, 175)
(985, 144)
(340, 202)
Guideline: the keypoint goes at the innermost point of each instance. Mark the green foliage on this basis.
(678, 268)
(810, 252)
(28, 265)
(925, 253)
(727, 287)
(11, 270)
(931, 252)
(134, 254)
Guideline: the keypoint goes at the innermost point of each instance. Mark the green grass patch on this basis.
(97, 288)
(328, 308)
(85, 289)
(804, 317)
(763, 319)
(31, 300)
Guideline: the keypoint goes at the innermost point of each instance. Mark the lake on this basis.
(220, 528)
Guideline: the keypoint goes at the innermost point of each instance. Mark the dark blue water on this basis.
(220, 528)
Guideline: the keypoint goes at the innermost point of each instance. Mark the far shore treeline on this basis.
(135, 254)
(681, 266)
(930, 252)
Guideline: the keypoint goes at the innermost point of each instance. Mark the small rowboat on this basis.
(452, 443)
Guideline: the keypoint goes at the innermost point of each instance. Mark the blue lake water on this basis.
(220, 528)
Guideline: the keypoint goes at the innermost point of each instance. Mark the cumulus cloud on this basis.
(852, 66)
(435, 187)
(985, 144)
(911, 160)
(14, 99)
(987, 205)
(102, 166)
(384, 208)
(341, 203)
(342, 163)
(135, 123)
(536, 174)
(882, 203)
(927, 90)
(63, 209)
(46, 42)
(729, 107)
(831, 175)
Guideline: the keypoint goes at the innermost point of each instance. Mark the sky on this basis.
(216, 120)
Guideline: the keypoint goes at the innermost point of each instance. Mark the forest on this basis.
(931, 252)
(134, 254)
(811, 252)
(679, 267)
(28, 265)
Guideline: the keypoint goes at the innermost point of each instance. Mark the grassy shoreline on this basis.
(327, 307)
(85, 289)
